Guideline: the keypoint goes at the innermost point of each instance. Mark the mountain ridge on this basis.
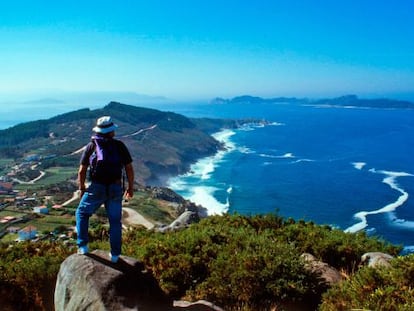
(163, 144)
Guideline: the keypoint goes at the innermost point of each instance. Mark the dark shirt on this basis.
(115, 175)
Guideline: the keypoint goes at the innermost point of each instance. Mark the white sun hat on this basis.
(105, 125)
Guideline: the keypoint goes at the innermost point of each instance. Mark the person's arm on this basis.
(82, 178)
(129, 169)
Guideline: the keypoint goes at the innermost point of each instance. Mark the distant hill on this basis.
(354, 101)
(80, 99)
(162, 144)
(247, 99)
(343, 101)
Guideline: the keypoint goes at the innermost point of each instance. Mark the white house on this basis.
(13, 229)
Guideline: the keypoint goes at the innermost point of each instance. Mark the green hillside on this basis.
(162, 143)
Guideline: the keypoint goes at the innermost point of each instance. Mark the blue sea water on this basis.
(351, 168)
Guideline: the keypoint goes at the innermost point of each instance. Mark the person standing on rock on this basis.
(105, 157)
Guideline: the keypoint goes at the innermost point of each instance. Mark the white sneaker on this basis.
(82, 250)
(114, 258)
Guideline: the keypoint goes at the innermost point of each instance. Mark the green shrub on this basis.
(250, 262)
(237, 262)
(375, 289)
(333, 246)
(28, 274)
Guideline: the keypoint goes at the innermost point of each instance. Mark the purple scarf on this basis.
(99, 142)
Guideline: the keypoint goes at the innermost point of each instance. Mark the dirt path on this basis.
(73, 198)
(141, 130)
(134, 218)
(127, 135)
(130, 216)
(31, 181)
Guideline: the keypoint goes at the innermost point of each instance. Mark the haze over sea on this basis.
(350, 168)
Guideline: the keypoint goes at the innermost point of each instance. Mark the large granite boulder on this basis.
(92, 282)
(328, 275)
(376, 259)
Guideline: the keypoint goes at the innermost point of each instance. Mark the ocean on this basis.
(350, 168)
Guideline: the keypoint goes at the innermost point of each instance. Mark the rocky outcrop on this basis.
(328, 274)
(166, 194)
(376, 259)
(92, 282)
(201, 305)
(183, 221)
(184, 211)
(179, 204)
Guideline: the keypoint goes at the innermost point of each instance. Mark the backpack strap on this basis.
(105, 160)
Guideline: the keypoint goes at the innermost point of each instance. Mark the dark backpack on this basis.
(105, 162)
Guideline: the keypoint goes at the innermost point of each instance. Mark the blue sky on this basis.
(190, 49)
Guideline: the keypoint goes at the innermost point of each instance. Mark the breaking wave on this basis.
(390, 180)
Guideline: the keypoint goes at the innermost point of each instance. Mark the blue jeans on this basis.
(92, 199)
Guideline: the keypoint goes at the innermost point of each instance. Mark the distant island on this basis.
(348, 101)
(247, 99)
(354, 101)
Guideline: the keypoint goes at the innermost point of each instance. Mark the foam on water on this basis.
(245, 150)
(359, 165)
(390, 180)
(263, 155)
(288, 155)
(303, 160)
(224, 136)
(202, 170)
(205, 197)
(204, 167)
(277, 124)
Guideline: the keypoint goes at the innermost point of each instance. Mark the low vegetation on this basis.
(247, 263)
(28, 274)
(375, 289)
(237, 262)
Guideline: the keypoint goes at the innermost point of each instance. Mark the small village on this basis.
(27, 214)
